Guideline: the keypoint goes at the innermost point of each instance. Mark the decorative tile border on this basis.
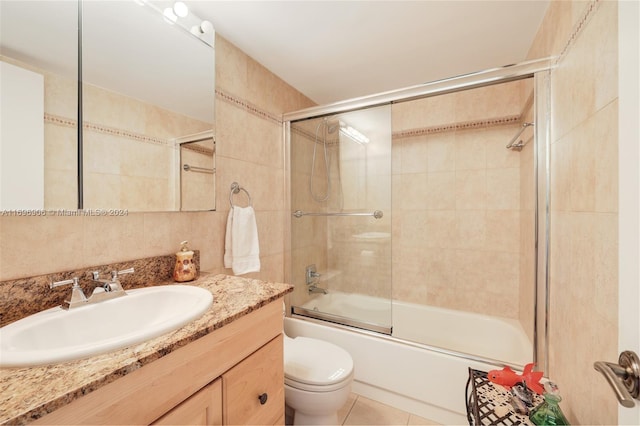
(106, 130)
(60, 121)
(589, 11)
(113, 131)
(492, 122)
(248, 106)
(199, 149)
(422, 131)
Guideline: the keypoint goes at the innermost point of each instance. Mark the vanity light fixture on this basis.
(180, 15)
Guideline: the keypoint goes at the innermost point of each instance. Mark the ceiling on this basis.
(338, 50)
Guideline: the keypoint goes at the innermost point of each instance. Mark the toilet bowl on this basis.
(317, 380)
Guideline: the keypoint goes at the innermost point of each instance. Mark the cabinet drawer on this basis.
(261, 374)
(204, 408)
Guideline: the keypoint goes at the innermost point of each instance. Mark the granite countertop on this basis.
(30, 393)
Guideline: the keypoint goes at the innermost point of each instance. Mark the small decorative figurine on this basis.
(185, 269)
(508, 378)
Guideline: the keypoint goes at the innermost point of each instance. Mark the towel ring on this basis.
(236, 188)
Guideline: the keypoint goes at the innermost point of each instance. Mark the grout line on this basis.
(351, 408)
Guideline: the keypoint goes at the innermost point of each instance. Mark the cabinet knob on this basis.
(263, 398)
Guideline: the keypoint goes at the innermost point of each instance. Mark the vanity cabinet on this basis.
(233, 375)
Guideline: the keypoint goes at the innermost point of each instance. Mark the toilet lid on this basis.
(315, 362)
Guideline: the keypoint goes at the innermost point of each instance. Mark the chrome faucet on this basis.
(313, 288)
(113, 284)
(108, 289)
(311, 278)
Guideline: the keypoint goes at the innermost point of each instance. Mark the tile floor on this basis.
(363, 411)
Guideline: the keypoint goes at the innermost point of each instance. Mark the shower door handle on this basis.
(624, 377)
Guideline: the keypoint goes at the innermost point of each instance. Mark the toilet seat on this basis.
(315, 365)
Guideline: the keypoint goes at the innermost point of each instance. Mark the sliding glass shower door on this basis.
(341, 218)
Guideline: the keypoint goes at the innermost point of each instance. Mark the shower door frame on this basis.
(538, 70)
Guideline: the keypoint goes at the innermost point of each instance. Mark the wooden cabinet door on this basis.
(202, 408)
(253, 391)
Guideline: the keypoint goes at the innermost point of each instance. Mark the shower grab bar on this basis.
(188, 168)
(299, 213)
(518, 145)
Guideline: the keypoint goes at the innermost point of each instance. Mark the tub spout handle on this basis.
(311, 275)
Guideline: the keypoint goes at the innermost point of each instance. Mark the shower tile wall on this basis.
(351, 253)
(360, 247)
(457, 220)
(583, 317)
(309, 242)
(527, 278)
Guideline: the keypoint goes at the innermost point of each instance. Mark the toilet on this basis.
(317, 380)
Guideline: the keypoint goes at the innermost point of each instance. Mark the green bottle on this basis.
(549, 412)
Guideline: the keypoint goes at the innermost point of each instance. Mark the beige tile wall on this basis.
(309, 234)
(348, 260)
(584, 190)
(250, 151)
(457, 202)
(360, 247)
(130, 158)
(527, 291)
(60, 164)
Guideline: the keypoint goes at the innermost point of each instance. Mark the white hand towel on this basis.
(242, 250)
(228, 255)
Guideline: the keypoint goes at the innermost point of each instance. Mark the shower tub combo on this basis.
(465, 284)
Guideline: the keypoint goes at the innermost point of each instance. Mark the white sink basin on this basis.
(57, 335)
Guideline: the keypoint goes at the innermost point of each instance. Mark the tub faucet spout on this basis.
(315, 289)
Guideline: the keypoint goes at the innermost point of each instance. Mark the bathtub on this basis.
(422, 367)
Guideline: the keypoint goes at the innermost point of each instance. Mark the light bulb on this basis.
(169, 16)
(180, 9)
(206, 27)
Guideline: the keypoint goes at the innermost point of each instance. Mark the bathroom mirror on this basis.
(39, 58)
(146, 85)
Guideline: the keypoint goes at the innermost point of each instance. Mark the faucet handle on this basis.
(126, 271)
(77, 295)
(73, 281)
(114, 274)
